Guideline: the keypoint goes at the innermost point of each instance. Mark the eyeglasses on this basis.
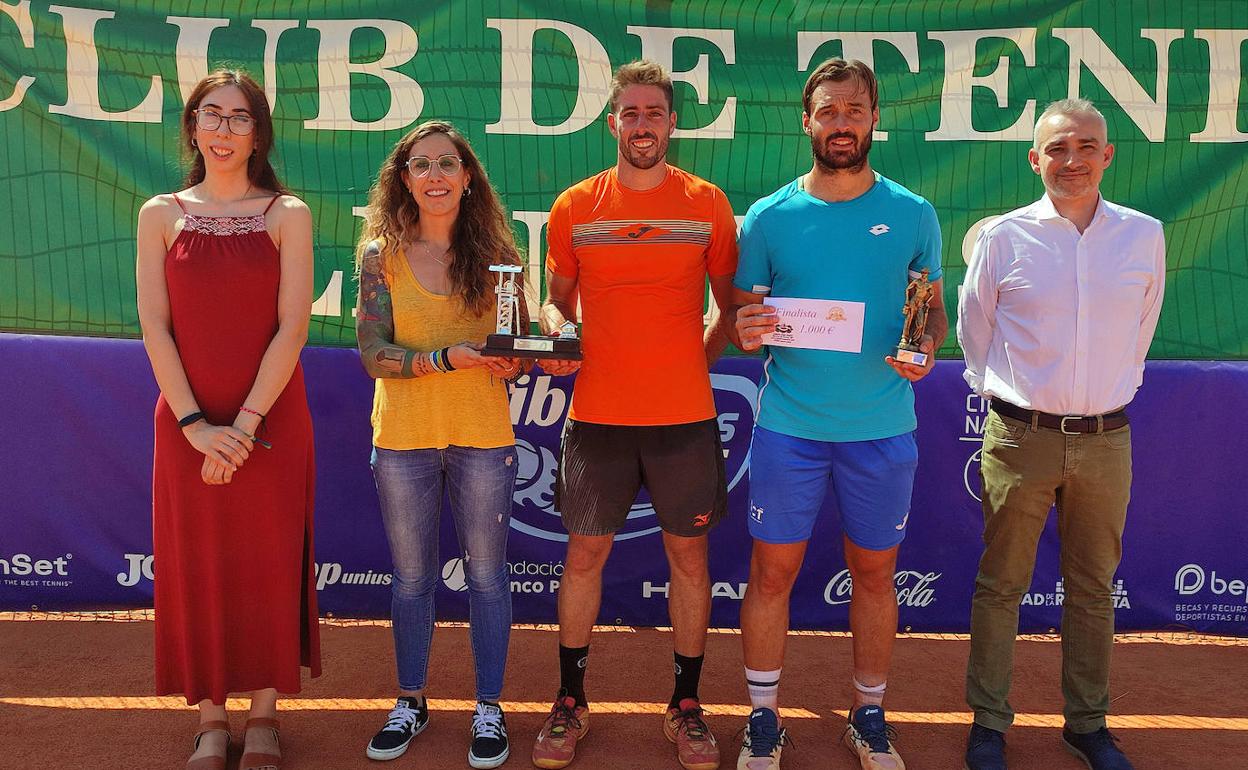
(240, 125)
(449, 165)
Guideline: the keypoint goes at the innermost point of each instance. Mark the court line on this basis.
(169, 703)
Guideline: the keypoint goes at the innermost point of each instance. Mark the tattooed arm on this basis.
(374, 326)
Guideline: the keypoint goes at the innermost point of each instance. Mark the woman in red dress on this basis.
(224, 279)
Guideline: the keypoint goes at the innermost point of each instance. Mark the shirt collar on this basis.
(1044, 209)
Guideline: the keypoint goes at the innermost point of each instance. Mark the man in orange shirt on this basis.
(638, 242)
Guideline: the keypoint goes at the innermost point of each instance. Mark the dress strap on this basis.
(179, 202)
(266, 208)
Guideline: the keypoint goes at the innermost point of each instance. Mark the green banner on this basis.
(90, 98)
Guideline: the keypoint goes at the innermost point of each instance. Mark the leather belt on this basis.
(1068, 424)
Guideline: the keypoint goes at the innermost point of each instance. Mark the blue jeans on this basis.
(409, 485)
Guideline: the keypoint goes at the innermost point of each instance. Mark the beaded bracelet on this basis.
(249, 410)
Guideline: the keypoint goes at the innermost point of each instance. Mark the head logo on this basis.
(534, 512)
(836, 313)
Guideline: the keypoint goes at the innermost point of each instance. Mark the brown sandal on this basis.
(255, 760)
(210, 763)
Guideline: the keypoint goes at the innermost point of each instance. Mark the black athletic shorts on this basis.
(602, 468)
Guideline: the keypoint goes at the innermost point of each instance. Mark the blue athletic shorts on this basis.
(872, 480)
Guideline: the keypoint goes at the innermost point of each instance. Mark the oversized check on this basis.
(818, 324)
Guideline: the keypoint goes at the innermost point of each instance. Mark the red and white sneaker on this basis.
(695, 746)
(555, 746)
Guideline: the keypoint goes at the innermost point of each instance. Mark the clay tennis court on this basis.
(75, 692)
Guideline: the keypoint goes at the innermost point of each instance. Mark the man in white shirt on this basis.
(1057, 312)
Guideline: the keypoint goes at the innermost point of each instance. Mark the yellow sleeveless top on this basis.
(466, 407)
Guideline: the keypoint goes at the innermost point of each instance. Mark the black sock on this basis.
(572, 663)
(688, 672)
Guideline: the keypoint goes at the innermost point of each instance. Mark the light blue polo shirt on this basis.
(863, 250)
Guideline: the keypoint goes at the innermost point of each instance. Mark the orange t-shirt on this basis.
(641, 260)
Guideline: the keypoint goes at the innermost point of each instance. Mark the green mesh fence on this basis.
(87, 133)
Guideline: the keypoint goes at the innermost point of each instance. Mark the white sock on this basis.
(870, 694)
(764, 688)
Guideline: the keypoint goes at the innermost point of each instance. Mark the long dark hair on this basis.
(482, 234)
(259, 171)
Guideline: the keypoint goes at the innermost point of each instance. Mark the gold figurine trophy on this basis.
(918, 295)
(507, 341)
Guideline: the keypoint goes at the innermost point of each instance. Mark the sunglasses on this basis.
(240, 125)
(419, 165)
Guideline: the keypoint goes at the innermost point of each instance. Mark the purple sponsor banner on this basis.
(75, 521)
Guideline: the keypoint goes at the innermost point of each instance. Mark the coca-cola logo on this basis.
(914, 589)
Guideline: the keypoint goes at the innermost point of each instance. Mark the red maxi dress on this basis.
(235, 594)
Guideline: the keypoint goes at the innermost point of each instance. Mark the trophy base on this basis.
(908, 356)
(532, 346)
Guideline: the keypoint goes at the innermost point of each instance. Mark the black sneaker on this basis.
(489, 736)
(407, 719)
(1097, 750)
(985, 749)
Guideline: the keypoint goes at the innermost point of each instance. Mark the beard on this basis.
(831, 161)
(643, 161)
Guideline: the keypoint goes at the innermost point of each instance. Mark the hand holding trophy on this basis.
(918, 295)
(508, 342)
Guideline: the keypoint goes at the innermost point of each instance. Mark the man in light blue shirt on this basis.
(840, 419)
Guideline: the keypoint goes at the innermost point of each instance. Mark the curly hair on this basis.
(259, 170)
(481, 236)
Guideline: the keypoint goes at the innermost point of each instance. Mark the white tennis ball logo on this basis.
(453, 575)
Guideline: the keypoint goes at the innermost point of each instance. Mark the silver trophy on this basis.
(507, 340)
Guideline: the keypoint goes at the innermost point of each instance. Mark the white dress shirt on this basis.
(1060, 322)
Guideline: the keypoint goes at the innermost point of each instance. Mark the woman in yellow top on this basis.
(440, 414)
